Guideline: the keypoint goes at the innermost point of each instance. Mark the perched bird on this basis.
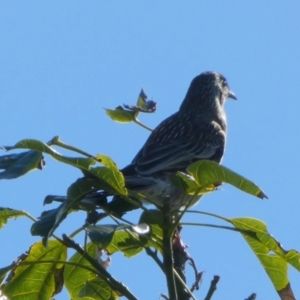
(197, 131)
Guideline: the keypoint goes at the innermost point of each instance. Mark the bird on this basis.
(197, 131)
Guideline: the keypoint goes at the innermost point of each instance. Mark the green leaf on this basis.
(97, 289)
(154, 219)
(109, 177)
(8, 213)
(50, 220)
(110, 174)
(189, 185)
(78, 162)
(37, 280)
(83, 284)
(102, 235)
(142, 100)
(266, 248)
(113, 238)
(4, 271)
(208, 172)
(130, 244)
(121, 115)
(142, 105)
(16, 165)
(293, 258)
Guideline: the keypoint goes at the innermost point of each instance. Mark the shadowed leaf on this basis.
(142, 105)
(50, 220)
(110, 176)
(16, 165)
(115, 238)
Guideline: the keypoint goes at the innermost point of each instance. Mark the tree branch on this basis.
(168, 251)
(213, 287)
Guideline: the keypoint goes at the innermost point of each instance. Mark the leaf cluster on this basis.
(46, 267)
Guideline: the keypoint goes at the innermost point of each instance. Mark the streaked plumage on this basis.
(197, 131)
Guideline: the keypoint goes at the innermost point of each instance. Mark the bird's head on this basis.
(207, 89)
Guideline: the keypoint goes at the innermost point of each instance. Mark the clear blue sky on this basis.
(61, 63)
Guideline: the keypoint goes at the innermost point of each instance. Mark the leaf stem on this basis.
(185, 209)
(153, 255)
(142, 125)
(212, 288)
(57, 142)
(209, 214)
(244, 231)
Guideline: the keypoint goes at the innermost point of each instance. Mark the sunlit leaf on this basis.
(293, 258)
(83, 284)
(266, 248)
(8, 213)
(96, 289)
(36, 280)
(110, 174)
(189, 185)
(130, 244)
(121, 115)
(208, 172)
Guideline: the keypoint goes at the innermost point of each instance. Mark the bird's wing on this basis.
(173, 146)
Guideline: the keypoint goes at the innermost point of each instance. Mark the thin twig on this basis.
(213, 287)
(251, 297)
(57, 142)
(181, 213)
(198, 275)
(242, 231)
(214, 226)
(153, 255)
(197, 282)
(142, 125)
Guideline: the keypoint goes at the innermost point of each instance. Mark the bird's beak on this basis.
(232, 95)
